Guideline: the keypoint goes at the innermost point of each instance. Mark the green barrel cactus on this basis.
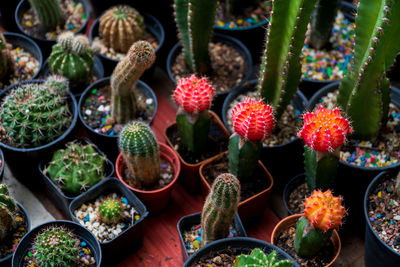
(8, 208)
(111, 211)
(48, 12)
(6, 60)
(257, 258)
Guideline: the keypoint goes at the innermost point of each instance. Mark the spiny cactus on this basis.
(195, 21)
(110, 210)
(194, 97)
(7, 212)
(257, 258)
(324, 132)
(35, 114)
(120, 27)
(48, 12)
(220, 208)
(364, 93)
(322, 213)
(140, 150)
(139, 58)
(76, 168)
(6, 61)
(253, 122)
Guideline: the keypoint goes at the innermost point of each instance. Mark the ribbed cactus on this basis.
(194, 97)
(7, 212)
(126, 74)
(72, 58)
(322, 213)
(140, 150)
(253, 122)
(364, 93)
(220, 208)
(35, 114)
(195, 21)
(280, 69)
(257, 258)
(111, 211)
(120, 27)
(48, 12)
(76, 168)
(6, 60)
(324, 132)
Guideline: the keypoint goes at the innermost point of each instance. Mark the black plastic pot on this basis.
(239, 245)
(221, 38)
(23, 162)
(81, 232)
(152, 25)
(187, 222)
(61, 199)
(288, 189)
(377, 252)
(129, 239)
(2, 165)
(45, 44)
(109, 144)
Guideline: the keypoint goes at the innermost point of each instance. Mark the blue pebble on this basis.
(111, 133)
(250, 21)
(362, 164)
(86, 219)
(199, 231)
(378, 216)
(70, 26)
(81, 254)
(83, 244)
(198, 238)
(233, 231)
(125, 200)
(391, 222)
(394, 114)
(297, 112)
(371, 219)
(188, 244)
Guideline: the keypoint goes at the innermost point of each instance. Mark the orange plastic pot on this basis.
(155, 200)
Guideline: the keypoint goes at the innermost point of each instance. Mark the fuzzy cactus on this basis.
(8, 208)
(35, 114)
(257, 258)
(322, 213)
(126, 74)
(120, 27)
(324, 132)
(140, 150)
(220, 208)
(194, 97)
(253, 122)
(6, 60)
(110, 211)
(49, 13)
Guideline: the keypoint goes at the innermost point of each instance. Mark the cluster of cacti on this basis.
(195, 21)
(72, 58)
(7, 212)
(324, 132)
(36, 113)
(140, 150)
(257, 258)
(194, 97)
(120, 27)
(253, 122)
(6, 61)
(322, 213)
(139, 58)
(76, 168)
(364, 93)
(49, 13)
(110, 210)
(220, 208)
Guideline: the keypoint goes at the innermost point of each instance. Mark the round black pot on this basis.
(218, 38)
(109, 144)
(45, 44)
(29, 157)
(81, 232)
(288, 189)
(240, 245)
(2, 165)
(152, 25)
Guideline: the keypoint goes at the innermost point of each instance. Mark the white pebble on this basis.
(397, 217)
(149, 101)
(101, 108)
(88, 112)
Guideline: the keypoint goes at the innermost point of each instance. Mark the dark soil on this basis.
(9, 244)
(226, 258)
(297, 197)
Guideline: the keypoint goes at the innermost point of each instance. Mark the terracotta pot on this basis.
(252, 207)
(292, 221)
(190, 172)
(155, 200)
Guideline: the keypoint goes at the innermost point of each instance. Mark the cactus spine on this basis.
(257, 258)
(48, 12)
(6, 61)
(220, 208)
(110, 211)
(7, 212)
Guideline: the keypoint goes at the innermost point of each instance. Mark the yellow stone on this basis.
(379, 194)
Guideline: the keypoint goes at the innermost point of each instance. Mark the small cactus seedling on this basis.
(220, 208)
(111, 211)
(8, 208)
(6, 61)
(322, 213)
(253, 122)
(257, 258)
(49, 13)
(194, 97)
(324, 132)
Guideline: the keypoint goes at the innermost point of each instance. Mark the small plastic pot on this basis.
(81, 232)
(2, 165)
(290, 186)
(61, 199)
(292, 221)
(155, 200)
(130, 238)
(187, 222)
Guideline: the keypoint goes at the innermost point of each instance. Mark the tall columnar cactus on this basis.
(6, 60)
(7, 212)
(257, 258)
(280, 70)
(220, 208)
(195, 21)
(36, 114)
(139, 58)
(323, 212)
(111, 211)
(76, 168)
(194, 97)
(120, 27)
(140, 150)
(364, 93)
(72, 58)
(48, 12)
(253, 122)
(324, 132)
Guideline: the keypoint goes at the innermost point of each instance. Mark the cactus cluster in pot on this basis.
(49, 13)
(8, 209)
(257, 257)
(6, 60)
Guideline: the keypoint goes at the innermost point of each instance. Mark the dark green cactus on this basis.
(7, 212)
(48, 12)
(110, 210)
(257, 258)
(194, 134)
(220, 208)
(6, 61)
